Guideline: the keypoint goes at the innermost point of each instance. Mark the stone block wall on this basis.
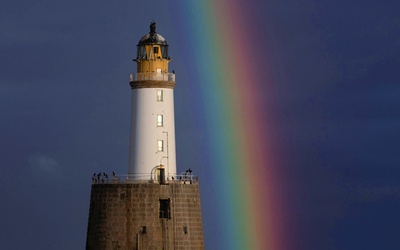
(127, 216)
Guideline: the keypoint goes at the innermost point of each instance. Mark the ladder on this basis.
(165, 234)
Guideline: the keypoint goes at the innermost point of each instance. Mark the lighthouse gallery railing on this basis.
(143, 178)
(170, 77)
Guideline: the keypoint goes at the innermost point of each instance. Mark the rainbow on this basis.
(238, 106)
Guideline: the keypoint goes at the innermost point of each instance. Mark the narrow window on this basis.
(165, 208)
(159, 120)
(141, 52)
(160, 145)
(155, 50)
(164, 51)
(160, 95)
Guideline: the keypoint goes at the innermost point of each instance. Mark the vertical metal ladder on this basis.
(165, 234)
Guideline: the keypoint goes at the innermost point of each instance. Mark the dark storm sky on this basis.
(65, 113)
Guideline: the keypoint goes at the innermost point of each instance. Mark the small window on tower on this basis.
(141, 52)
(160, 145)
(165, 208)
(159, 120)
(155, 50)
(160, 95)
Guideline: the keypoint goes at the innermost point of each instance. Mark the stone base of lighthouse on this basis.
(145, 216)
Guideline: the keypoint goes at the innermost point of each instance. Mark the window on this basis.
(159, 120)
(155, 50)
(164, 51)
(160, 145)
(165, 208)
(160, 95)
(141, 52)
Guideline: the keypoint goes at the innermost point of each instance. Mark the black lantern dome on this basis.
(153, 40)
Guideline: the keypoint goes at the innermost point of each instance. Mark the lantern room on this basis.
(152, 53)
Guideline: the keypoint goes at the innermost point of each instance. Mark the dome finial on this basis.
(153, 27)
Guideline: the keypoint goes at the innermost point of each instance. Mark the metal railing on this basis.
(170, 77)
(182, 178)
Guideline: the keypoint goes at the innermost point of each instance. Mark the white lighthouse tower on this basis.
(150, 209)
(152, 139)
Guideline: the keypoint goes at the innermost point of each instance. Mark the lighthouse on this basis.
(152, 139)
(153, 206)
